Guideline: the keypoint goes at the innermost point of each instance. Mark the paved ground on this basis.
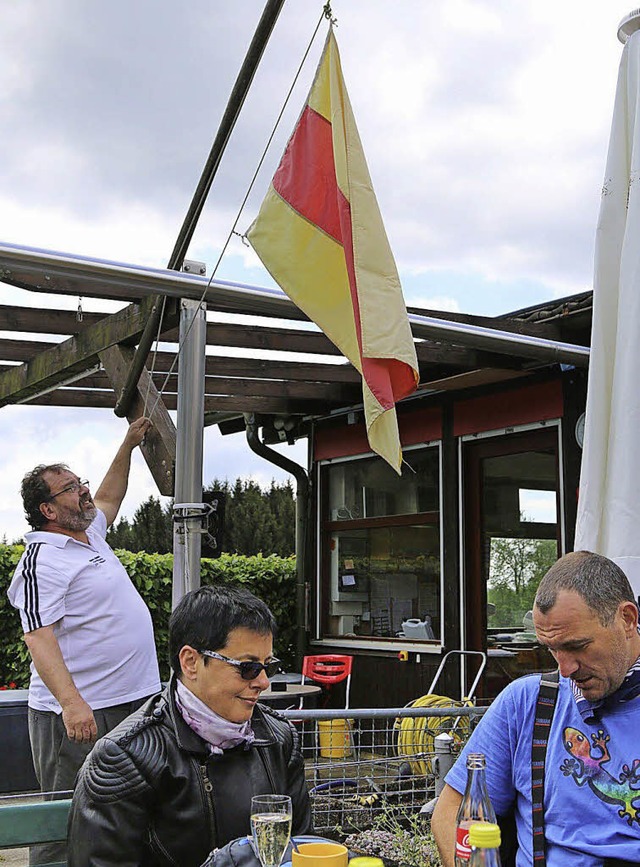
(14, 857)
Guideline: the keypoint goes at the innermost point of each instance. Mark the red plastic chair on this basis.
(328, 669)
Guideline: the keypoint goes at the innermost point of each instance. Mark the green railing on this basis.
(29, 824)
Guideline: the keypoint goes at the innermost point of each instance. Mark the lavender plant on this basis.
(403, 839)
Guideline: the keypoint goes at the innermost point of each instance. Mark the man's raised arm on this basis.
(113, 487)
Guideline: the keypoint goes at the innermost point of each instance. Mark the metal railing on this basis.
(362, 763)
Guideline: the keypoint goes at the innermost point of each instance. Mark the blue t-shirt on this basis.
(592, 775)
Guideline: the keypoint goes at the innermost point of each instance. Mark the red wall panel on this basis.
(526, 405)
(424, 425)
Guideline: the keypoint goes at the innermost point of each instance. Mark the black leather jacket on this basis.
(150, 795)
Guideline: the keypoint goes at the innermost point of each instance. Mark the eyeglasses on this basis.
(248, 670)
(73, 488)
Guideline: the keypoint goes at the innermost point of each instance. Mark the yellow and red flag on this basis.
(320, 235)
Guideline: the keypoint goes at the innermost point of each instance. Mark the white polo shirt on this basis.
(101, 622)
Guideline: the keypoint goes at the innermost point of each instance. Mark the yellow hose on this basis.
(416, 734)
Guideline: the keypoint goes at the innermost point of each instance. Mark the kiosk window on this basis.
(381, 549)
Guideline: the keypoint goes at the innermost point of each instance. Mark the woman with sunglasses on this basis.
(175, 779)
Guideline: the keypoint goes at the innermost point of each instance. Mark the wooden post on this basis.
(159, 447)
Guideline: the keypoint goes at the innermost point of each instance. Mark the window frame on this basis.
(324, 528)
(502, 441)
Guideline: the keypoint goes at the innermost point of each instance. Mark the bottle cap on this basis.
(476, 761)
(484, 835)
(366, 861)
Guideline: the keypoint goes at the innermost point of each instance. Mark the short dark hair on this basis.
(204, 618)
(35, 491)
(600, 582)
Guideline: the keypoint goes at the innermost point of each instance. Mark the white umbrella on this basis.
(609, 503)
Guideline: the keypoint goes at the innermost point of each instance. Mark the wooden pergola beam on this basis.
(284, 339)
(331, 394)
(241, 368)
(252, 368)
(70, 397)
(513, 325)
(45, 364)
(335, 383)
(266, 338)
(259, 368)
(473, 378)
(22, 350)
(80, 352)
(159, 444)
(91, 389)
(30, 319)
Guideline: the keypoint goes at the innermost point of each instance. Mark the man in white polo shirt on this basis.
(87, 628)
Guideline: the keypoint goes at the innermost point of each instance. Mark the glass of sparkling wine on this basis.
(271, 827)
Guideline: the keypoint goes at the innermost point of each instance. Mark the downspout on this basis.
(302, 502)
(234, 105)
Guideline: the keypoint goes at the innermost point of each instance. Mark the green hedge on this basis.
(271, 578)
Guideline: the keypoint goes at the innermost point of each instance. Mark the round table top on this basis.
(287, 677)
(293, 690)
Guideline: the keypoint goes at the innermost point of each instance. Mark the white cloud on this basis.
(485, 125)
(137, 234)
(436, 302)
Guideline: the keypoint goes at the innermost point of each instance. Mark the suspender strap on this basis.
(545, 707)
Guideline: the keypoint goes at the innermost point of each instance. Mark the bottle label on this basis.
(463, 848)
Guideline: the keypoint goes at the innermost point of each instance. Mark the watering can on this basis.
(415, 628)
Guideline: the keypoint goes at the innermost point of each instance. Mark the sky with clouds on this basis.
(485, 124)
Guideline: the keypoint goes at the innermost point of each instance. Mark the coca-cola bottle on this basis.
(475, 807)
(485, 845)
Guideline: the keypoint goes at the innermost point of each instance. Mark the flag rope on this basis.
(153, 358)
(329, 14)
(326, 14)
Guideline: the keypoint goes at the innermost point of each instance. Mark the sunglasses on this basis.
(248, 670)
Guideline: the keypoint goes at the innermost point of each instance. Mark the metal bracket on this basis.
(184, 512)
(193, 267)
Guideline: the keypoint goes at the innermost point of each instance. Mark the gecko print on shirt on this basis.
(586, 766)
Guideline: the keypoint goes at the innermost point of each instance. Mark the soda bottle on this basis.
(475, 807)
(485, 845)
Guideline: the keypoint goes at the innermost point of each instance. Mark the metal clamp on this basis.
(202, 512)
(183, 512)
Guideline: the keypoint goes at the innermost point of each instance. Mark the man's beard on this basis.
(78, 520)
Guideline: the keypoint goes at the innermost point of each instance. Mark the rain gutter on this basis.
(504, 342)
(302, 510)
(234, 106)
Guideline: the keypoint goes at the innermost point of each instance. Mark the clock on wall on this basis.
(580, 431)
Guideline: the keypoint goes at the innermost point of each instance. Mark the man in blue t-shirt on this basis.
(585, 613)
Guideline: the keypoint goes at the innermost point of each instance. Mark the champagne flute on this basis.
(271, 827)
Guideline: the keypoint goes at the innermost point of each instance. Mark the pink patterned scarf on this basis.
(218, 732)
